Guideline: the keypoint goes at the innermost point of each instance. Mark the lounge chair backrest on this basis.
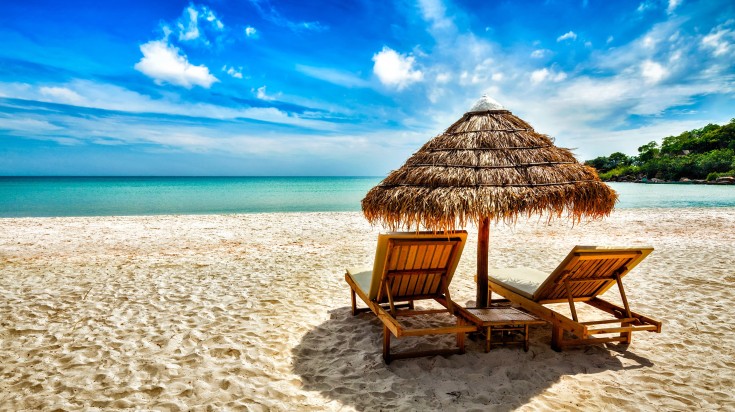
(414, 263)
(589, 271)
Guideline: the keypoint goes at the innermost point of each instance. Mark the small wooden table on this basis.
(504, 318)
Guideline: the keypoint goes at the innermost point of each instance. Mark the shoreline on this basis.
(192, 215)
(234, 311)
(677, 182)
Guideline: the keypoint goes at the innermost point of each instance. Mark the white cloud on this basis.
(443, 78)
(189, 23)
(269, 13)
(539, 54)
(540, 75)
(189, 26)
(602, 105)
(543, 75)
(236, 73)
(394, 69)
(558, 77)
(717, 40)
(14, 90)
(482, 72)
(629, 139)
(649, 42)
(652, 72)
(27, 125)
(311, 25)
(673, 4)
(568, 35)
(164, 63)
(211, 18)
(338, 77)
(261, 94)
(110, 97)
(660, 41)
(61, 95)
(166, 136)
(265, 148)
(646, 5)
(434, 12)
(435, 93)
(251, 32)
(497, 76)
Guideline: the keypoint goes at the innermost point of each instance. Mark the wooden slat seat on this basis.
(410, 267)
(586, 273)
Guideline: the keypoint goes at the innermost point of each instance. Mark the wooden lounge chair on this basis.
(586, 273)
(410, 267)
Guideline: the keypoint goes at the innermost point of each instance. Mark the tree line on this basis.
(700, 154)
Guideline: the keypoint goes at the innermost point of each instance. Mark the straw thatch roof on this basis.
(488, 164)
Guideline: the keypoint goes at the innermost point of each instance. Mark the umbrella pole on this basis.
(483, 247)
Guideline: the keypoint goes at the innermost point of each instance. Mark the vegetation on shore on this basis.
(700, 154)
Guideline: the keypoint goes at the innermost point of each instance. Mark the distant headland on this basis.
(699, 156)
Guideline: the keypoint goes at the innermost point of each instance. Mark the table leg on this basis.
(488, 332)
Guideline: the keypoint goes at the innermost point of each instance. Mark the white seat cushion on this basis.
(362, 278)
(524, 281)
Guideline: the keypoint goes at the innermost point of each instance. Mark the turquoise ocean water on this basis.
(109, 196)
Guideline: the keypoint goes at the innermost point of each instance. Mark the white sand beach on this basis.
(251, 312)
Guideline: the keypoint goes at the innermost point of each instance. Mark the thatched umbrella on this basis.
(488, 166)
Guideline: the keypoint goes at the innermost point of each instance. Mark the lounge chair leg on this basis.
(386, 344)
(460, 337)
(354, 304)
(627, 335)
(557, 334)
(410, 305)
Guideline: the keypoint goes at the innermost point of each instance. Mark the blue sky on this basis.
(259, 87)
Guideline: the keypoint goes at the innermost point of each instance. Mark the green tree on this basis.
(647, 152)
(618, 159)
(708, 139)
(715, 161)
(598, 163)
(727, 135)
(675, 145)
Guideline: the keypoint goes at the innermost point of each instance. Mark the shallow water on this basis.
(111, 196)
(636, 195)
